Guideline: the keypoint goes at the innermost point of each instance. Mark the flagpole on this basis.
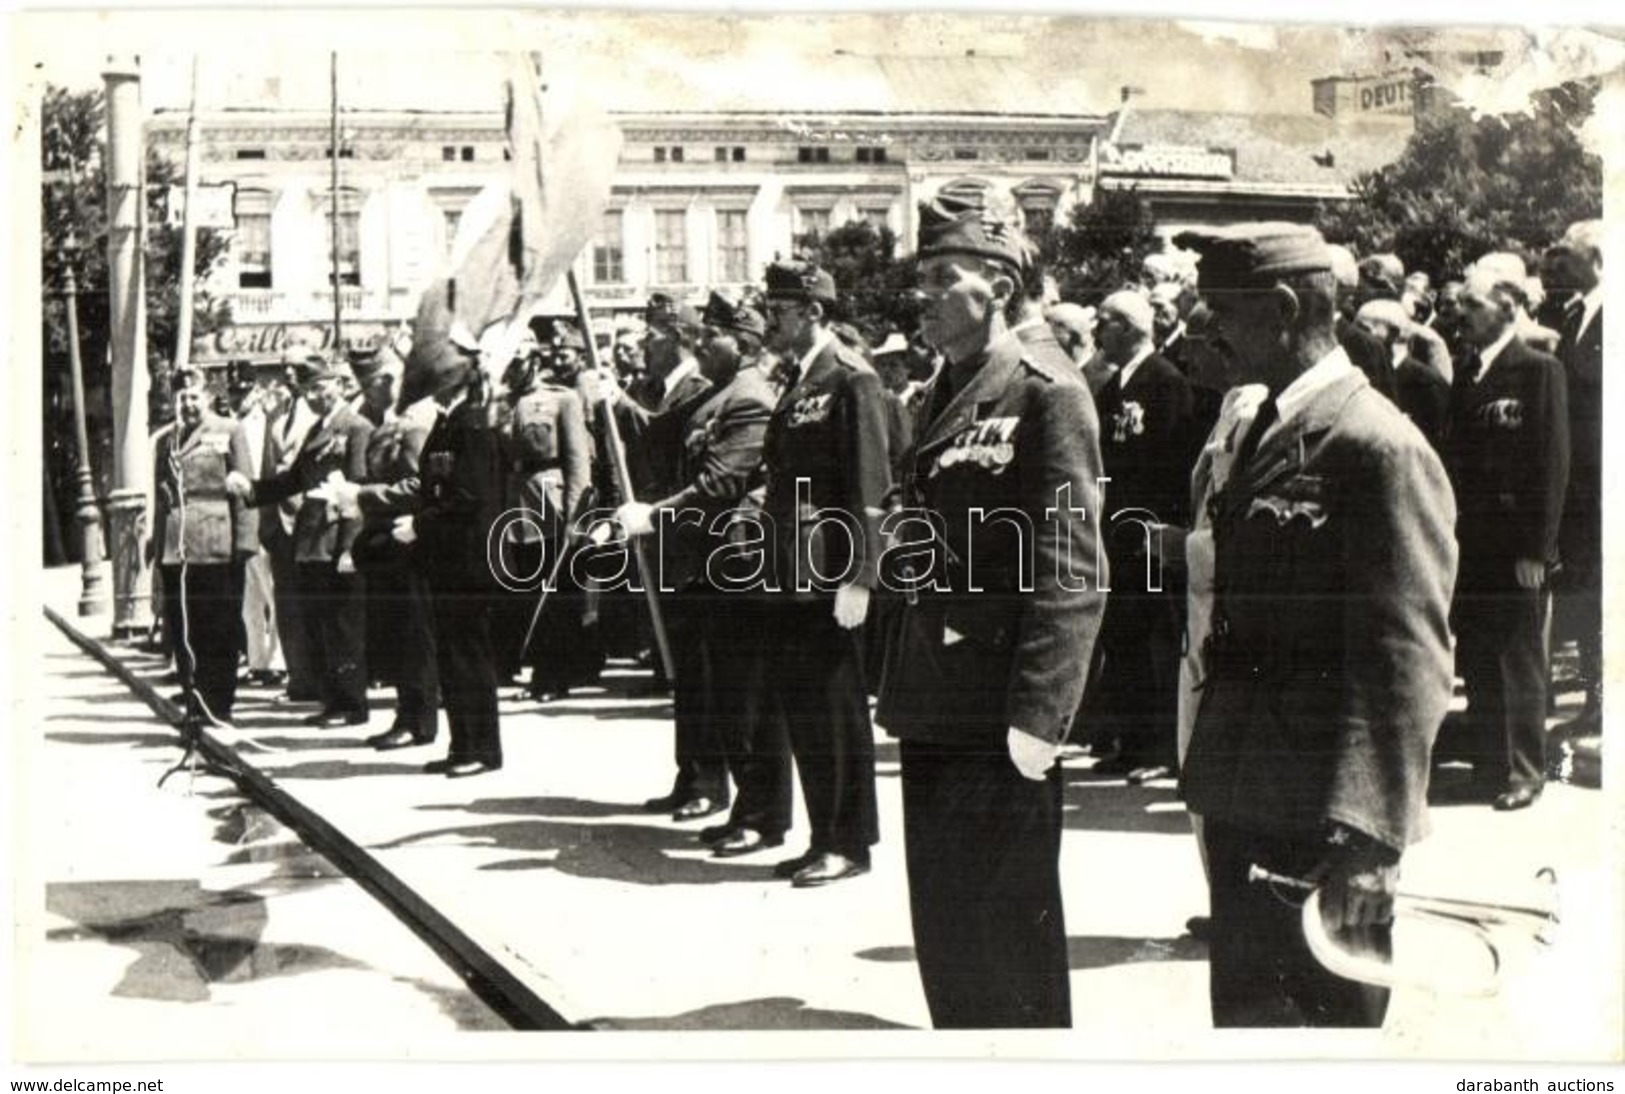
(333, 208)
(623, 480)
(183, 325)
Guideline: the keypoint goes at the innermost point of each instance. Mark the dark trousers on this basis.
(1261, 972)
(1500, 656)
(334, 618)
(702, 763)
(983, 846)
(468, 674)
(204, 636)
(754, 737)
(1578, 612)
(814, 676)
(1138, 686)
(401, 647)
(304, 669)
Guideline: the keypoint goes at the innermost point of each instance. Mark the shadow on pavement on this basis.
(139, 740)
(1096, 804)
(771, 1013)
(1087, 951)
(542, 807)
(638, 854)
(338, 769)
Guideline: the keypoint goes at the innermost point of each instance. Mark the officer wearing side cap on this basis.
(1327, 669)
(986, 663)
(828, 472)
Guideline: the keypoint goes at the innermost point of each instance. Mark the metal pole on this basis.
(93, 587)
(183, 327)
(127, 314)
(333, 212)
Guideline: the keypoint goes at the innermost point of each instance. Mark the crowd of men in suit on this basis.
(1270, 486)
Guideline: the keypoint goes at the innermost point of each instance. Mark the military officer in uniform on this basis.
(334, 610)
(446, 512)
(715, 629)
(204, 539)
(1327, 667)
(828, 472)
(1508, 454)
(986, 664)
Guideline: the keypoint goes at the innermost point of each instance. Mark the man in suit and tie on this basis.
(827, 474)
(1145, 445)
(334, 611)
(1508, 454)
(1327, 665)
(1576, 264)
(204, 536)
(290, 418)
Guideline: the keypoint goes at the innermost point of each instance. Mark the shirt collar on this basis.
(677, 375)
(1127, 372)
(824, 338)
(1591, 302)
(451, 407)
(1297, 395)
(1487, 355)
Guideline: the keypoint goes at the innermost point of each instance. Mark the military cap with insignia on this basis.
(798, 280)
(951, 225)
(724, 314)
(1245, 256)
(239, 377)
(664, 310)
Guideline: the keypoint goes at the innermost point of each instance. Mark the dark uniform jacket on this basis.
(393, 454)
(320, 534)
(1039, 340)
(1329, 664)
(973, 654)
(1146, 449)
(653, 438)
(281, 448)
(719, 464)
(1508, 454)
(196, 521)
(829, 428)
(1582, 513)
(1368, 354)
(456, 499)
(550, 454)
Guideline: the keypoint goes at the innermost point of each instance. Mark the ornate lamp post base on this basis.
(132, 580)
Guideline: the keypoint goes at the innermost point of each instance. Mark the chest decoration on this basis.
(1502, 414)
(810, 410)
(1284, 510)
(989, 445)
(1128, 421)
(217, 444)
(438, 466)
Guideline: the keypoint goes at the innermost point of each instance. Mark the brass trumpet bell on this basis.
(1492, 926)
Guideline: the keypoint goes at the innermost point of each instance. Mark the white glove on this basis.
(342, 495)
(636, 517)
(1033, 756)
(851, 605)
(238, 485)
(405, 530)
(346, 564)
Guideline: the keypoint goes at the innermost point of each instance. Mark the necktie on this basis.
(1268, 414)
(1471, 365)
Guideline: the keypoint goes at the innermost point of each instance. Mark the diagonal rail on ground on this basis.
(487, 976)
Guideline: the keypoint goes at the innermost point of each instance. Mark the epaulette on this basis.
(851, 358)
(1043, 368)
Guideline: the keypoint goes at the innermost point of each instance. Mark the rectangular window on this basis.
(812, 155)
(739, 155)
(349, 239)
(671, 246)
(815, 221)
(250, 153)
(468, 153)
(607, 265)
(1039, 218)
(964, 153)
(677, 154)
(870, 154)
(454, 218)
(660, 153)
(878, 217)
(448, 153)
(722, 155)
(733, 262)
(1038, 155)
(252, 239)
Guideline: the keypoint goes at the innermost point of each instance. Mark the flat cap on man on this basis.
(1256, 255)
(724, 314)
(797, 280)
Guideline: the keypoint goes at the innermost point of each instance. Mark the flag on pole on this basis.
(516, 239)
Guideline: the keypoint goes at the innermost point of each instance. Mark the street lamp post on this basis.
(93, 588)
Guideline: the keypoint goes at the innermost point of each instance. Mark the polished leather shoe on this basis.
(464, 769)
(827, 869)
(665, 804)
(744, 842)
(398, 738)
(1519, 797)
(1199, 927)
(695, 808)
(440, 766)
(1142, 775)
(716, 832)
(792, 866)
(326, 719)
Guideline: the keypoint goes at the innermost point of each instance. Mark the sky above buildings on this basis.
(643, 61)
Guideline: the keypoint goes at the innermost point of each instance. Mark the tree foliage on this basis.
(1465, 186)
(1100, 251)
(875, 285)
